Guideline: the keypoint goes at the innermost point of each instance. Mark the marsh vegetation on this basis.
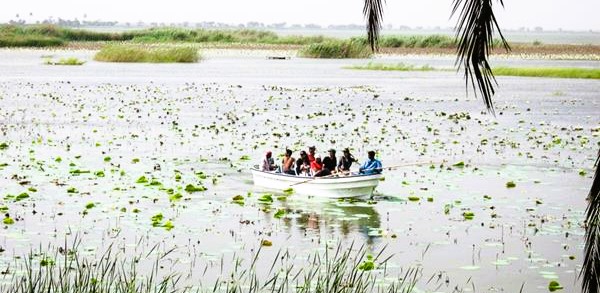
(148, 54)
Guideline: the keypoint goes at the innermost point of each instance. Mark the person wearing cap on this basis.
(371, 166)
(346, 161)
(268, 163)
(311, 153)
(288, 163)
(330, 162)
(303, 164)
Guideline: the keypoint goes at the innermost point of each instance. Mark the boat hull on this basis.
(331, 187)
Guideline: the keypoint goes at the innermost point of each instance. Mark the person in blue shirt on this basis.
(371, 166)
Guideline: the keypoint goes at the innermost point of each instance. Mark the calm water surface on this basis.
(180, 124)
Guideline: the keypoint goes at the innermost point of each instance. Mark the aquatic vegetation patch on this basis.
(391, 67)
(336, 50)
(65, 61)
(557, 72)
(554, 286)
(412, 41)
(192, 188)
(148, 54)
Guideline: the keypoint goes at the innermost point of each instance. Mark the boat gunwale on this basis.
(312, 179)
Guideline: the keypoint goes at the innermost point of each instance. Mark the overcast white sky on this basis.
(549, 14)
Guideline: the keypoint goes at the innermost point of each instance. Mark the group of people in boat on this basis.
(311, 164)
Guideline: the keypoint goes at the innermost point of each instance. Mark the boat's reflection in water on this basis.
(325, 216)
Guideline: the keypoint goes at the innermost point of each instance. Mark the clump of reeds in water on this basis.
(148, 54)
(342, 270)
(392, 67)
(336, 50)
(65, 61)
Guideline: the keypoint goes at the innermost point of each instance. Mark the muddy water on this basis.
(180, 124)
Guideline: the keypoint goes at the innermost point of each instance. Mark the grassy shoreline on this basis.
(48, 36)
(551, 72)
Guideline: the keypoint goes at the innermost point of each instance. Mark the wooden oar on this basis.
(347, 172)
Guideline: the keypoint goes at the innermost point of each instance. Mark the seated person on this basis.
(371, 166)
(288, 163)
(330, 162)
(311, 153)
(268, 163)
(346, 161)
(303, 164)
(317, 169)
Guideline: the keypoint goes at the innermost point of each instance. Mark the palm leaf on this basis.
(474, 31)
(591, 261)
(373, 11)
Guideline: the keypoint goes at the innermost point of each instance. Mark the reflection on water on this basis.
(344, 215)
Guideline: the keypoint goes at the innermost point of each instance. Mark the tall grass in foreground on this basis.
(146, 54)
(336, 50)
(342, 270)
(548, 72)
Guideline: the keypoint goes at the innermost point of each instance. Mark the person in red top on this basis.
(316, 167)
(311, 153)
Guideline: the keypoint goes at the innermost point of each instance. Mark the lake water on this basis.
(169, 122)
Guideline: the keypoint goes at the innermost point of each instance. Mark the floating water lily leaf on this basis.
(168, 225)
(267, 198)
(368, 264)
(266, 242)
(459, 164)
(279, 214)
(142, 179)
(469, 215)
(414, 198)
(72, 190)
(90, 205)
(554, 286)
(107, 159)
(245, 158)
(99, 174)
(157, 219)
(510, 184)
(582, 172)
(191, 188)
(8, 221)
(175, 197)
(3, 146)
(288, 190)
(77, 172)
(22, 196)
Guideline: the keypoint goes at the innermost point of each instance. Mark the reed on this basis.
(337, 269)
(65, 61)
(147, 54)
(336, 50)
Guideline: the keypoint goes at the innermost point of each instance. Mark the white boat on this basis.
(332, 187)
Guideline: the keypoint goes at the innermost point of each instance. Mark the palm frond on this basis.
(591, 261)
(373, 11)
(474, 31)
